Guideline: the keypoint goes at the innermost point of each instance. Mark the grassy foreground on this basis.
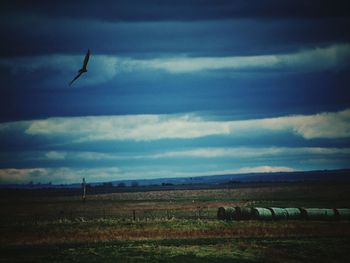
(179, 240)
(172, 226)
(186, 250)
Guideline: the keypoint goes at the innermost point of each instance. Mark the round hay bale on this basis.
(293, 213)
(227, 213)
(231, 213)
(221, 214)
(261, 213)
(244, 213)
(342, 213)
(278, 213)
(319, 213)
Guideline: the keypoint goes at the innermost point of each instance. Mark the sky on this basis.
(173, 88)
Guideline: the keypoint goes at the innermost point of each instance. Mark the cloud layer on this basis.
(156, 127)
(103, 148)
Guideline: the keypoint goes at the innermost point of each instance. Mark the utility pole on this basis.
(84, 189)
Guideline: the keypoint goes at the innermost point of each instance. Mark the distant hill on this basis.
(313, 176)
(324, 175)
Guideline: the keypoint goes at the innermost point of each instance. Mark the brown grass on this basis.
(56, 219)
(173, 230)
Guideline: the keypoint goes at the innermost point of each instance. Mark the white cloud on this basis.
(234, 153)
(213, 152)
(58, 175)
(322, 125)
(79, 155)
(155, 127)
(264, 169)
(249, 152)
(13, 175)
(243, 170)
(132, 127)
(310, 60)
(139, 173)
(103, 68)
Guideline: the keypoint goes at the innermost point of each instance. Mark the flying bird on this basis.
(83, 68)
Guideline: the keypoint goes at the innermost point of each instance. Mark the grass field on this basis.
(173, 226)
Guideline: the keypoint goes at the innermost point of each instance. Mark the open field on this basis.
(173, 226)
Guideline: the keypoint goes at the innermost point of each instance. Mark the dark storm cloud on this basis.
(251, 95)
(26, 35)
(127, 10)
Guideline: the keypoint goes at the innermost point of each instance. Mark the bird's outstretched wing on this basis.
(86, 59)
(76, 77)
(83, 68)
